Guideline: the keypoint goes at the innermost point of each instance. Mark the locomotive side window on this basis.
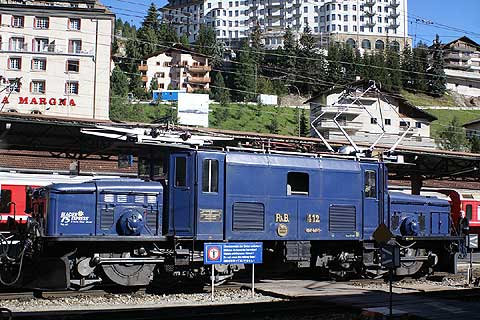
(210, 175)
(468, 211)
(370, 184)
(28, 199)
(6, 198)
(180, 172)
(297, 183)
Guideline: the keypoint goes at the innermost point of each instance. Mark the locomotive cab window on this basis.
(370, 184)
(297, 183)
(180, 172)
(210, 176)
(5, 201)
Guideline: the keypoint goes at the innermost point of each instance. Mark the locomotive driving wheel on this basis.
(127, 274)
(410, 268)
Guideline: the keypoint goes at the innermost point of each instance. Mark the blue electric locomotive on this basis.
(309, 211)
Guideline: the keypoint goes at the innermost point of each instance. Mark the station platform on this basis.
(421, 303)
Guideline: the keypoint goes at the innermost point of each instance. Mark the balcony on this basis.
(333, 110)
(346, 125)
(369, 13)
(198, 80)
(457, 56)
(393, 25)
(370, 3)
(393, 4)
(394, 15)
(199, 69)
(274, 4)
(142, 67)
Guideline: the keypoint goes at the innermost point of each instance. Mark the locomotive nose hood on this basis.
(108, 207)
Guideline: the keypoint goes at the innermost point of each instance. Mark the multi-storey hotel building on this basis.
(55, 57)
(367, 24)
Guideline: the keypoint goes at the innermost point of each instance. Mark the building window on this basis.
(418, 125)
(388, 122)
(72, 87)
(15, 63)
(366, 44)
(74, 24)
(370, 184)
(39, 64)
(41, 23)
(37, 86)
(297, 183)
(74, 46)
(379, 45)
(404, 124)
(18, 21)
(17, 44)
(210, 175)
(373, 120)
(40, 45)
(73, 65)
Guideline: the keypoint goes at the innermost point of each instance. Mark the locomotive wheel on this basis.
(412, 267)
(127, 274)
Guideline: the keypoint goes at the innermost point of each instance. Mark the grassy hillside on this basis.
(421, 99)
(446, 116)
(241, 117)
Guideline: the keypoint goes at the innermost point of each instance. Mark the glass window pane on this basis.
(180, 172)
(370, 184)
(297, 183)
(468, 211)
(210, 175)
(6, 198)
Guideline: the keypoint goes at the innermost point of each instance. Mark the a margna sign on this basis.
(46, 101)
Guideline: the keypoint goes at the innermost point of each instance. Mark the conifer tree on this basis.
(392, 78)
(437, 82)
(244, 77)
(453, 136)
(409, 78)
(208, 45)
(219, 91)
(148, 34)
(420, 57)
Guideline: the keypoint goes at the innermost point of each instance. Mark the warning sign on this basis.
(233, 253)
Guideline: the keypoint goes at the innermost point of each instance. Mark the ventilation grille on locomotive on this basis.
(152, 220)
(248, 216)
(342, 218)
(107, 218)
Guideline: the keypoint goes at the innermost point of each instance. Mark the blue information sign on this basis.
(233, 253)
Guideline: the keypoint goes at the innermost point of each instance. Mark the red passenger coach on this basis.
(16, 191)
(468, 201)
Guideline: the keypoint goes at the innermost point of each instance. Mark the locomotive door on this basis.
(209, 213)
(181, 186)
(372, 184)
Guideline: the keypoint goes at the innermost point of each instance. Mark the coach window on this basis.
(5, 202)
(468, 211)
(180, 172)
(370, 184)
(210, 176)
(297, 183)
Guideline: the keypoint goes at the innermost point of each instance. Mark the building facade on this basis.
(55, 57)
(462, 66)
(176, 69)
(367, 24)
(366, 116)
